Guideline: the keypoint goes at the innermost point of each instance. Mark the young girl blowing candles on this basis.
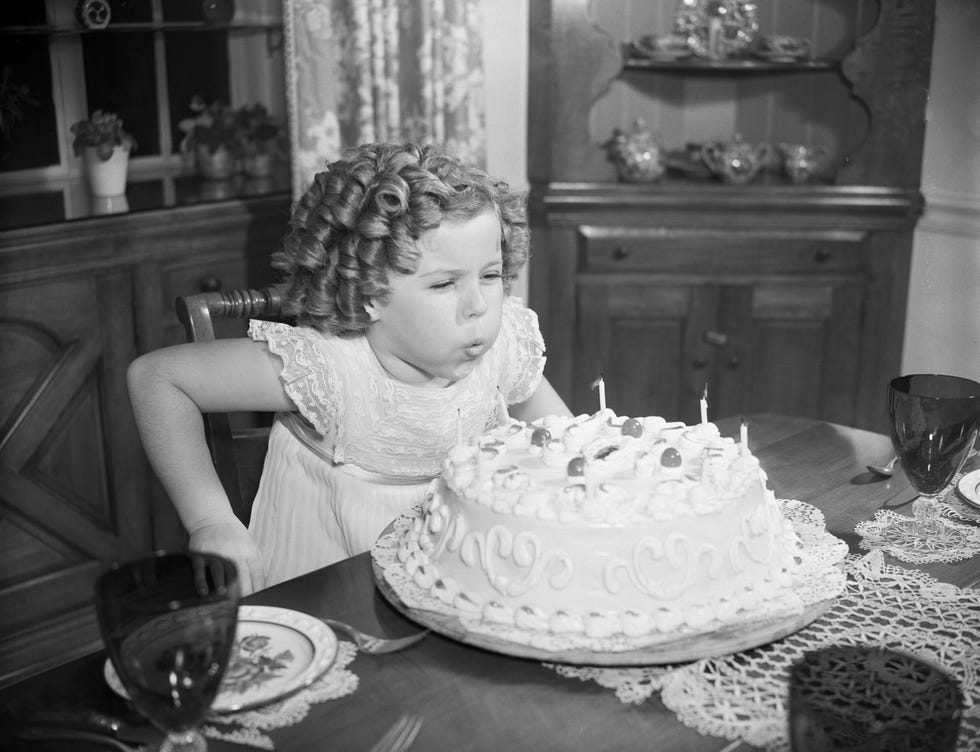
(398, 262)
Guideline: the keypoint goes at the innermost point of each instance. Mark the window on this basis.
(145, 66)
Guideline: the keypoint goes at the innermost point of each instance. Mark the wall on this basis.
(942, 331)
(943, 324)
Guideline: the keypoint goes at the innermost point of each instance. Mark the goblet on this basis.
(168, 622)
(863, 698)
(934, 421)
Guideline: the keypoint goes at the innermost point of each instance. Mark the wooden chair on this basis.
(238, 452)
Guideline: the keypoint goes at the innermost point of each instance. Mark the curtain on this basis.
(359, 71)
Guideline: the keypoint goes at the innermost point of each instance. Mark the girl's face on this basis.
(439, 320)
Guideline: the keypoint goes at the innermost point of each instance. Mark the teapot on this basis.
(637, 156)
(736, 161)
(800, 161)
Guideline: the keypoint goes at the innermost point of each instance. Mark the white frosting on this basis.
(673, 529)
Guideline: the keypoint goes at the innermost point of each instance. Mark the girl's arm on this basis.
(544, 401)
(168, 390)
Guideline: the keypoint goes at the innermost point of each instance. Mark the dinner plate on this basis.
(969, 487)
(277, 652)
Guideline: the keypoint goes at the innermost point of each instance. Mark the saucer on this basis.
(969, 487)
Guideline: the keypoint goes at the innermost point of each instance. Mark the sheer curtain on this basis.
(382, 70)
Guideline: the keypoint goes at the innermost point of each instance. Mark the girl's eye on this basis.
(442, 285)
(493, 275)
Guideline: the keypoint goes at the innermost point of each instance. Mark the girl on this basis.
(398, 260)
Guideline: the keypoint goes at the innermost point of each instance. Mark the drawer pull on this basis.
(822, 256)
(700, 362)
(620, 252)
(718, 339)
(734, 362)
(210, 283)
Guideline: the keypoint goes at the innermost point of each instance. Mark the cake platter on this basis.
(823, 580)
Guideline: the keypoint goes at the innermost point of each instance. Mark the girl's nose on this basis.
(474, 302)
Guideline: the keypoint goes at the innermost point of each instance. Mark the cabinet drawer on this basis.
(714, 252)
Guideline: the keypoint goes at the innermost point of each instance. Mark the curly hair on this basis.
(361, 219)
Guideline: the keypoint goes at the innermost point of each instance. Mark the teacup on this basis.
(800, 162)
(637, 156)
(736, 161)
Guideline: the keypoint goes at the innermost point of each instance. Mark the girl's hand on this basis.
(230, 539)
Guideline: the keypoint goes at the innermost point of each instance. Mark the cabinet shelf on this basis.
(128, 28)
(694, 66)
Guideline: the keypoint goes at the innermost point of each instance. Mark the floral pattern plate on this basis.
(277, 651)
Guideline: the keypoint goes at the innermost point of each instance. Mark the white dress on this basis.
(364, 447)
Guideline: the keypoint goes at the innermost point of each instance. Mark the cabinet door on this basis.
(791, 347)
(73, 481)
(646, 339)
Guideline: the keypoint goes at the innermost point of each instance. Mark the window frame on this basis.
(254, 31)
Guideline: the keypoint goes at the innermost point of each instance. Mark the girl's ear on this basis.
(372, 310)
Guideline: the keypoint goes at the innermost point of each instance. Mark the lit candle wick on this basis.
(744, 435)
(459, 427)
(704, 405)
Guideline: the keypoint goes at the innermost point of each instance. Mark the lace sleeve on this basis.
(307, 375)
(524, 354)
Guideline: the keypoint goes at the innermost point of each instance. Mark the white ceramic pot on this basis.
(219, 164)
(106, 178)
(258, 165)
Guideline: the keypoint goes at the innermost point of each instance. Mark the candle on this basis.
(744, 434)
(704, 405)
(502, 415)
(599, 382)
(459, 427)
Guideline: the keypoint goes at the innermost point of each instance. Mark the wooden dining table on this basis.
(475, 699)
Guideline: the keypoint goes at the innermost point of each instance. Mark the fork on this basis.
(400, 736)
(375, 645)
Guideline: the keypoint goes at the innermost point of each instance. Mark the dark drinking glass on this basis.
(863, 698)
(934, 421)
(168, 622)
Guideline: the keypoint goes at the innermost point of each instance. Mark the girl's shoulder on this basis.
(310, 349)
(520, 322)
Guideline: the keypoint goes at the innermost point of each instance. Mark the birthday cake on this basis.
(601, 526)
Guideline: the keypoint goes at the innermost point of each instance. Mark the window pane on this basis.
(126, 11)
(197, 63)
(119, 78)
(28, 129)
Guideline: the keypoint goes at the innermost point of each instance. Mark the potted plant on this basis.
(105, 147)
(13, 96)
(212, 140)
(263, 140)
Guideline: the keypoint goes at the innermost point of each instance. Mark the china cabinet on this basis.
(779, 294)
(79, 300)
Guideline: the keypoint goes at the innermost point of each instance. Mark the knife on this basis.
(45, 723)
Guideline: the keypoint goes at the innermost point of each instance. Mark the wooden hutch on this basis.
(779, 297)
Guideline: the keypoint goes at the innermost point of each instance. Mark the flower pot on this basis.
(106, 178)
(258, 165)
(214, 165)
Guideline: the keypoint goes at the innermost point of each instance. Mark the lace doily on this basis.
(251, 727)
(958, 537)
(821, 579)
(954, 541)
(744, 696)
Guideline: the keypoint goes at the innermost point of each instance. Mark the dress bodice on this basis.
(351, 411)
